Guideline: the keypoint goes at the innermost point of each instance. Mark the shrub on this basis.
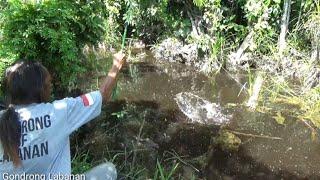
(53, 32)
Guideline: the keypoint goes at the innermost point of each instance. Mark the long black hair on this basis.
(25, 82)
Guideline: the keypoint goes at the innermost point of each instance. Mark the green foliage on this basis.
(113, 24)
(199, 3)
(263, 17)
(312, 25)
(217, 21)
(120, 114)
(148, 19)
(308, 105)
(53, 32)
(157, 20)
(80, 163)
(3, 4)
(163, 174)
(4, 63)
(285, 101)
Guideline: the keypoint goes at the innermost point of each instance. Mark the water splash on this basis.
(200, 110)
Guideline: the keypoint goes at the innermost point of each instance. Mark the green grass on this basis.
(163, 174)
(80, 163)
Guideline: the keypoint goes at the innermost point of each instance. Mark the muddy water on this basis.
(295, 156)
(161, 81)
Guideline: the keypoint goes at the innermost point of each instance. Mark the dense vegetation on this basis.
(279, 37)
(53, 32)
(56, 31)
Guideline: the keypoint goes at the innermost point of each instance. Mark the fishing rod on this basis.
(123, 41)
(124, 35)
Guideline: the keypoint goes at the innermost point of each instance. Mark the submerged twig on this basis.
(255, 136)
(309, 126)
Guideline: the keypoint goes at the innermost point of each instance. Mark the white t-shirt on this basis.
(45, 130)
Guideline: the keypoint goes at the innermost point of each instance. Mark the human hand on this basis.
(119, 59)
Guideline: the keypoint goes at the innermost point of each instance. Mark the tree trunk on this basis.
(195, 29)
(315, 55)
(284, 26)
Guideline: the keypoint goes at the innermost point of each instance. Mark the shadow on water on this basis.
(146, 116)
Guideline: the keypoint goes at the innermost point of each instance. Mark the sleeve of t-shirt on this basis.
(82, 109)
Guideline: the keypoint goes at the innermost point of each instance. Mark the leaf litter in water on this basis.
(200, 110)
(279, 118)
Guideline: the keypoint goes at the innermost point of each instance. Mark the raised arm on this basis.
(111, 79)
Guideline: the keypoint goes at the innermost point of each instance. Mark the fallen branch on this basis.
(248, 40)
(245, 44)
(257, 86)
(255, 136)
